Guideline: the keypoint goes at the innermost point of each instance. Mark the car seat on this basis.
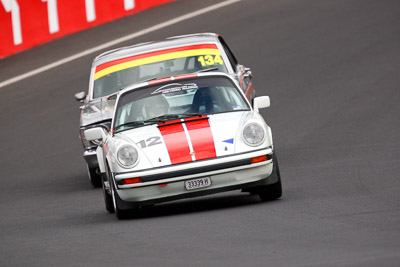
(202, 101)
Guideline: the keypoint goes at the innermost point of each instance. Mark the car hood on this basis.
(196, 138)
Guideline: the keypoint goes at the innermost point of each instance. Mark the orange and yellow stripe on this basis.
(157, 56)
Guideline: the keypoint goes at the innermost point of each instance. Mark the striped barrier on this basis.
(27, 23)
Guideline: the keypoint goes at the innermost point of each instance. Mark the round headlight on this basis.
(253, 134)
(127, 155)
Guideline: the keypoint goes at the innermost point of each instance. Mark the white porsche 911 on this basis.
(185, 136)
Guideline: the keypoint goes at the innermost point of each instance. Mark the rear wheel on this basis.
(272, 191)
(94, 176)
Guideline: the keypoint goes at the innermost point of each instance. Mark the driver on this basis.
(155, 106)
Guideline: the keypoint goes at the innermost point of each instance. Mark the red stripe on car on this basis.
(184, 76)
(201, 137)
(249, 90)
(176, 142)
(160, 80)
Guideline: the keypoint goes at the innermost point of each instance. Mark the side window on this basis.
(190, 64)
(177, 64)
(229, 99)
(231, 57)
(123, 113)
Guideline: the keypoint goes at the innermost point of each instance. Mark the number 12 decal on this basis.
(152, 141)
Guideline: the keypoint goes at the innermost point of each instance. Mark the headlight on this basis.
(127, 155)
(253, 134)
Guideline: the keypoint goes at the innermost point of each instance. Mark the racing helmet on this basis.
(155, 106)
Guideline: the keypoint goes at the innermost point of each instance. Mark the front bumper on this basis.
(165, 186)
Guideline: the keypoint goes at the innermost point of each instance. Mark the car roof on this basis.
(175, 41)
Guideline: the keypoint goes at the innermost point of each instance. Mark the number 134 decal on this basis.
(210, 60)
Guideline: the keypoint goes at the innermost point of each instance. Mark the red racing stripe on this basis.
(202, 139)
(160, 80)
(176, 142)
(250, 89)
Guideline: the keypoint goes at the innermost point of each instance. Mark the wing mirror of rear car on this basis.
(261, 102)
(80, 96)
(95, 134)
(247, 73)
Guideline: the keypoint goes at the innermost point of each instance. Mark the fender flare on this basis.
(100, 159)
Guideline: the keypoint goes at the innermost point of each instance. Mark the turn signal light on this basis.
(259, 159)
(131, 180)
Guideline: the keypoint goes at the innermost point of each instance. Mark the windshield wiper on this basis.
(163, 118)
(131, 123)
(206, 70)
(188, 115)
(168, 117)
(148, 80)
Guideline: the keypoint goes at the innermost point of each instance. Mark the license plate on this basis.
(197, 183)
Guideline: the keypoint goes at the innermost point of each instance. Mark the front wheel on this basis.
(107, 192)
(272, 191)
(121, 214)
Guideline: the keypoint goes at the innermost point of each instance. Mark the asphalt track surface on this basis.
(331, 69)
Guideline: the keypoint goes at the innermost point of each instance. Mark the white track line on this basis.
(117, 41)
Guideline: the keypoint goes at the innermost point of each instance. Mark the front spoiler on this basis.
(124, 205)
(193, 170)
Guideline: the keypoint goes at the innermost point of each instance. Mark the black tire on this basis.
(272, 191)
(121, 214)
(107, 192)
(94, 176)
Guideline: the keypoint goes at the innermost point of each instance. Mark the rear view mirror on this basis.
(261, 102)
(95, 134)
(80, 96)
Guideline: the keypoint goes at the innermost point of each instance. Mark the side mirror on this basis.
(80, 96)
(95, 134)
(247, 73)
(261, 102)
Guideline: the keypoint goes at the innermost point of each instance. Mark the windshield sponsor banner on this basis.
(175, 87)
(157, 56)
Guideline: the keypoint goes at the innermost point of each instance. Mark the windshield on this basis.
(116, 75)
(177, 99)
